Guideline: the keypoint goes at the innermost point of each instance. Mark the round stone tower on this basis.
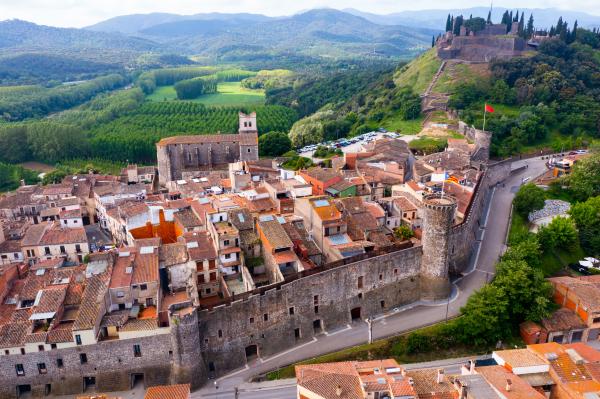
(438, 217)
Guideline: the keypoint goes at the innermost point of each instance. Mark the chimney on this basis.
(508, 385)
(440, 376)
(403, 372)
(22, 182)
(338, 390)
(472, 367)
(463, 391)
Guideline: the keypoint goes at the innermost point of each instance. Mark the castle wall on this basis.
(482, 48)
(112, 363)
(226, 331)
(463, 237)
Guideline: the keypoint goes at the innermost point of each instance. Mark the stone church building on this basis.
(205, 152)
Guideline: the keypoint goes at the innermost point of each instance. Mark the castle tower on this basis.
(248, 123)
(188, 365)
(438, 217)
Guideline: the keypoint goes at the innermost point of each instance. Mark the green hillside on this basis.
(418, 74)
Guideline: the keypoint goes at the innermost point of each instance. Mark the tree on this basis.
(586, 216)
(529, 198)
(560, 233)
(475, 24)
(529, 31)
(458, 21)
(433, 41)
(584, 180)
(403, 233)
(449, 23)
(526, 249)
(274, 144)
(489, 18)
(522, 25)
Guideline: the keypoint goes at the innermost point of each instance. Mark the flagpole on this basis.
(484, 114)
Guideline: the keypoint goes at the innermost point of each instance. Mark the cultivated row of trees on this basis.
(193, 88)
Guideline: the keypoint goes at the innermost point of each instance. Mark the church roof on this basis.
(242, 139)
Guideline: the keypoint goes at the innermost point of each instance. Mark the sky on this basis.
(80, 13)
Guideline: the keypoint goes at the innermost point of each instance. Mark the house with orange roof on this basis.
(278, 249)
(354, 380)
(320, 179)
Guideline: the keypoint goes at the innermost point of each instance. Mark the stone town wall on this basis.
(112, 363)
(294, 312)
(169, 358)
(464, 236)
(482, 48)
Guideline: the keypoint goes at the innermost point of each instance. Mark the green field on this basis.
(230, 93)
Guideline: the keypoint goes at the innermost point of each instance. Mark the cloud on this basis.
(79, 13)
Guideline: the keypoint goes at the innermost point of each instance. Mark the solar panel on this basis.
(192, 244)
(281, 219)
(146, 250)
(321, 203)
(265, 218)
(241, 217)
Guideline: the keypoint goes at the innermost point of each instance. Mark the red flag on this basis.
(489, 108)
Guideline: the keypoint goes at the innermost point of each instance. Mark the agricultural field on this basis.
(228, 94)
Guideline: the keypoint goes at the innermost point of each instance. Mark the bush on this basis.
(417, 343)
(274, 144)
(529, 198)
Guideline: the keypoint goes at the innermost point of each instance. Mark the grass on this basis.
(229, 94)
(457, 74)
(518, 228)
(418, 74)
(395, 123)
(428, 145)
(99, 165)
(394, 347)
(441, 117)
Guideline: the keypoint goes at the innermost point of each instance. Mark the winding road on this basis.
(490, 245)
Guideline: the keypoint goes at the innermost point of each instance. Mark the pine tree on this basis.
(433, 41)
(529, 32)
(505, 18)
(559, 26)
(552, 31)
(458, 21)
(574, 32)
(448, 23)
(489, 18)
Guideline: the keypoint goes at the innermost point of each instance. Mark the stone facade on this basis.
(179, 154)
(480, 48)
(295, 312)
(438, 217)
(169, 357)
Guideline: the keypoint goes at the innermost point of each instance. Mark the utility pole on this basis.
(370, 325)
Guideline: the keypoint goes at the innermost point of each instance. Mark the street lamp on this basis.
(216, 389)
(370, 325)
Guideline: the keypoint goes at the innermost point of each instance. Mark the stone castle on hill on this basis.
(491, 42)
(180, 153)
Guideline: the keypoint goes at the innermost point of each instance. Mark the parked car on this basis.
(580, 269)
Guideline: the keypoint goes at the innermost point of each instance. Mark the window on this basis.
(220, 334)
(596, 320)
(78, 339)
(251, 320)
(211, 366)
(395, 271)
(381, 277)
(208, 290)
(291, 310)
(249, 150)
(20, 370)
(62, 249)
(42, 368)
(316, 309)
(225, 242)
(40, 348)
(382, 303)
(59, 363)
(213, 276)
(6, 352)
(22, 351)
(47, 250)
(82, 358)
(52, 346)
(120, 294)
(65, 222)
(265, 317)
(296, 333)
(227, 256)
(316, 299)
(360, 282)
(137, 350)
(77, 248)
(143, 287)
(360, 295)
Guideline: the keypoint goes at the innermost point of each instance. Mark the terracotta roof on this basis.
(90, 303)
(404, 204)
(241, 218)
(70, 214)
(497, 376)
(188, 218)
(61, 333)
(181, 391)
(51, 299)
(321, 174)
(130, 209)
(122, 272)
(13, 334)
(172, 254)
(243, 139)
(34, 234)
(59, 235)
(145, 268)
(203, 250)
(563, 320)
(140, 325)
(285, 257)
(57, 190)
(275, 234)
(323, 379)
(587, 289)
(587, 352)
(427, 387)
(520, 358)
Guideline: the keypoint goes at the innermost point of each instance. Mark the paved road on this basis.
(492, 245)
